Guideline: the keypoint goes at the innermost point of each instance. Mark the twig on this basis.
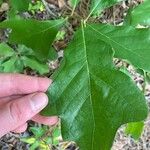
(48, 9)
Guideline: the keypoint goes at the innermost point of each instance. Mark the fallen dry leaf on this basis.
(61, 3)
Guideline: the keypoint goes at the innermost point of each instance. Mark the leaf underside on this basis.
(93, 98)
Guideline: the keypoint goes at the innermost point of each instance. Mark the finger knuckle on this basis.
(15, 112)
(13, 84)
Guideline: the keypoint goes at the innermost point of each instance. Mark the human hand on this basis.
(21, 99)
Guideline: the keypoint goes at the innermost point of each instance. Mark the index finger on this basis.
(16, 84)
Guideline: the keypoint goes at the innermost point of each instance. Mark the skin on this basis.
(21, 99)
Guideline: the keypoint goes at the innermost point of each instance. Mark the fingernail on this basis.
(38, 101)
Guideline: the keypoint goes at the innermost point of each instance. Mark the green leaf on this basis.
(37, 35)
(55, 141)
(37, 6)
(60, 35)
(12, 65)
(37, 131)
(48, 140)
(56, 132)
(19, 65)
(25, 51)
(128, 43)
(44, 146)
(28, 140)
(135, 129)
(1, 1)
(99, 5)
(20, 5)
(36, 65)
(74, 3)
(35, 145)
(141, 14)
(5, 50)
(91, 97)
(148, 77)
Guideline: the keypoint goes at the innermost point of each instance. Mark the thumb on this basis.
(17, 112)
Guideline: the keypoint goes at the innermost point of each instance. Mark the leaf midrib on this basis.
(88, 72)
(43, 31)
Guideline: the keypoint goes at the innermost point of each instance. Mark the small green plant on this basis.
(60, 35)
(37, 6)
(91, 96)
(43, 137)
(16, 60)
